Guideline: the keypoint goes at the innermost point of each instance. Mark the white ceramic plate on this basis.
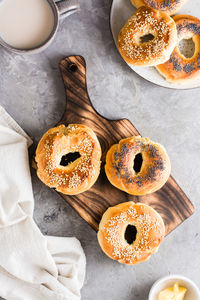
(121, 10)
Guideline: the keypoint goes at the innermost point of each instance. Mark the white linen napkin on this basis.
(32, 266)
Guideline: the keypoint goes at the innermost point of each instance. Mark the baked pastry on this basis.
(148, 37)
(130, 233)
(137, 165)
(68, 158)
(170, 6)
(180, 67)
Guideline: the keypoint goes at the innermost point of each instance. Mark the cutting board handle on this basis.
(79, 108)
(73, 71)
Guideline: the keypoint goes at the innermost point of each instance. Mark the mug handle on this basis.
(67, 7)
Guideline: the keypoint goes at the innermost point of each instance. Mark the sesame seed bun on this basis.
(80, 174)
(170, 7)
(149, 228)
(157, 49)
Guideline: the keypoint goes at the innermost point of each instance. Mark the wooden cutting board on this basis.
(170, 201)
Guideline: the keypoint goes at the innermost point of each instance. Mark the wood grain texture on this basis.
(170, 201)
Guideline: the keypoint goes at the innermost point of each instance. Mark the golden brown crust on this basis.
(150, 232)
(154, 172)
(178, 68)
(170, 7)
(77, 176)
(146, 21)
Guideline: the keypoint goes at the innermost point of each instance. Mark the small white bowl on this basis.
(193, 292)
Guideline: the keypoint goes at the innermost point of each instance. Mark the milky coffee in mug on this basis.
(29, 25)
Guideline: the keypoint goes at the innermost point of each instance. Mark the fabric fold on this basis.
(32, 266)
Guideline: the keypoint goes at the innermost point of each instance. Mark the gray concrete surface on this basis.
(32, 92)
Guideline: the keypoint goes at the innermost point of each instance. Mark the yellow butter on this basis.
(176, 292)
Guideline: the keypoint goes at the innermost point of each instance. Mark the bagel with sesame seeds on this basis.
(130, 233)
(170, 6)
(137, 165)
(148, 37)
(185, 66)
(68, 158)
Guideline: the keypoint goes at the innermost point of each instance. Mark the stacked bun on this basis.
(180, 68)
(170, 7)
(151, 37)
(160, 28)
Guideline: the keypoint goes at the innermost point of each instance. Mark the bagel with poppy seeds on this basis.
(68, 158)
(180, 68)
(122, 168)
(170, 6)
(148, 37)
(130, 233)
